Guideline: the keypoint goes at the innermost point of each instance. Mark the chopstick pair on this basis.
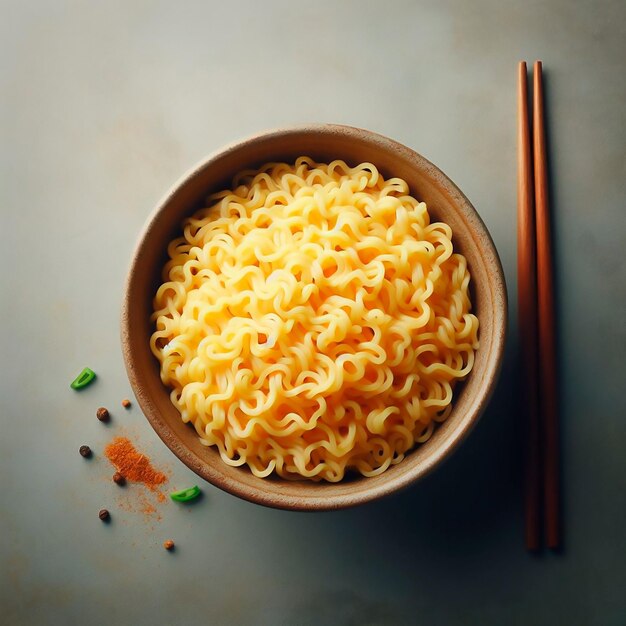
(536, 321)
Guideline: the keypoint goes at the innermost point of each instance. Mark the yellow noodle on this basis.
(312, 321)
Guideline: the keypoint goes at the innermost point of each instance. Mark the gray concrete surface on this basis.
(104, 105)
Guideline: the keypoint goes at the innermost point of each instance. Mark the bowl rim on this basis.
(440, 454)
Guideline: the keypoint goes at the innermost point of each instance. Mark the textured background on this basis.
(104, 105)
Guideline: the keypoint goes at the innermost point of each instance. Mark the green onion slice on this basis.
(184, 495)
(83, 379)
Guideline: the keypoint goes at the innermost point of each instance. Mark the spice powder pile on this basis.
(133, 465)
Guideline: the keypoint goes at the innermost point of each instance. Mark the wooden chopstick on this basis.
(527, 314)
(546, 324)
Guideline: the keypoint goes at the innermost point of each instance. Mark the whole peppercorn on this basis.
(126, 403)
(168, 545)
(119, 479)
(85, 451)
(103, 414)
(104, 515)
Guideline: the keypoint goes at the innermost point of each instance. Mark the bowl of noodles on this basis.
(314, 318)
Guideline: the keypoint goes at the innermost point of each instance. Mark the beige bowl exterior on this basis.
(324, 143)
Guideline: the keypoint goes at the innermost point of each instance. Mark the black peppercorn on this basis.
(119, 479)
(102, 414)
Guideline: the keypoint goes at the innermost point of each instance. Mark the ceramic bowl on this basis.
(324, 143)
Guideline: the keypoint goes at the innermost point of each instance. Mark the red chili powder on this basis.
(139, 504)
(133, 465)
(148, 508)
